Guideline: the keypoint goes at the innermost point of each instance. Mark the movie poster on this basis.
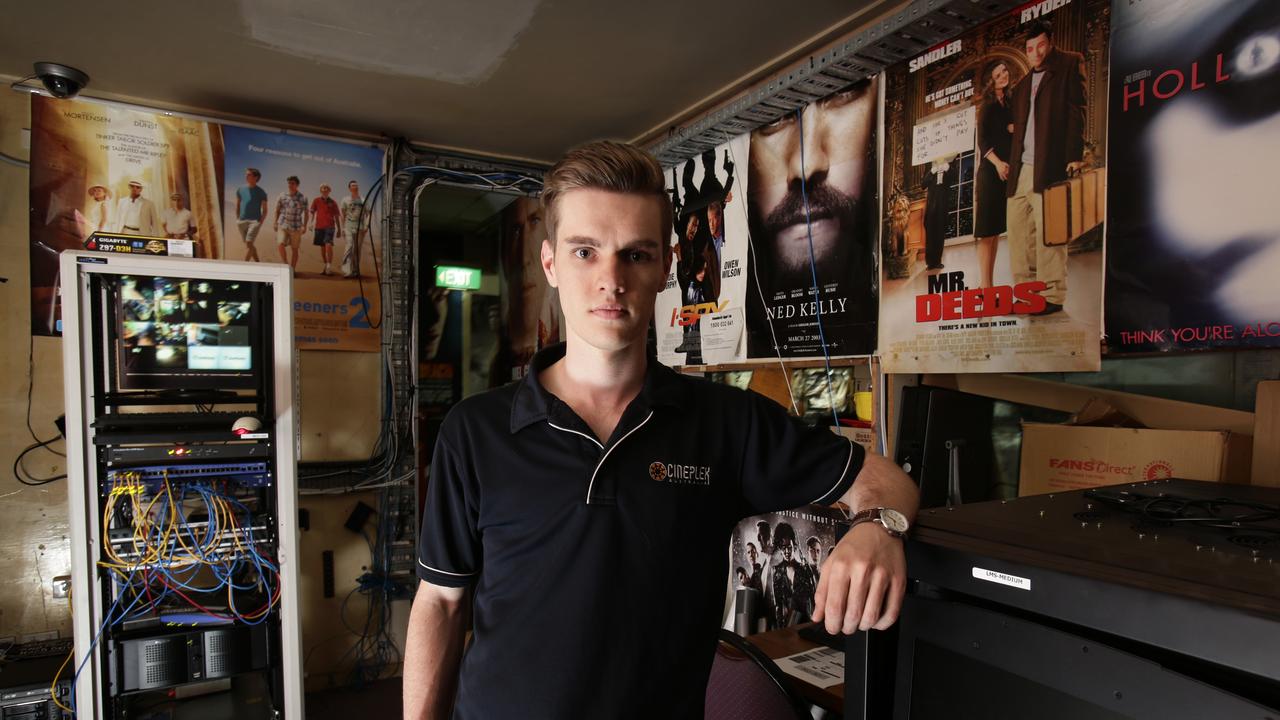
(811, 206)
(700, 317)
(300, 200)
(994, 196)
(1194, 239)
(777, 559)
(530, 308)
(99, 167)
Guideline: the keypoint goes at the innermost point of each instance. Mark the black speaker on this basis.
(939, 429)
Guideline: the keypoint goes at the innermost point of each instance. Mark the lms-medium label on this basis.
(1002, 578)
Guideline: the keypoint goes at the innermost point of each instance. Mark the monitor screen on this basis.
(186, 333)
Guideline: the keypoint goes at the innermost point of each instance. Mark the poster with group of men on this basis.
(232, 192)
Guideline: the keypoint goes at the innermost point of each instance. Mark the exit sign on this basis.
(457, 278)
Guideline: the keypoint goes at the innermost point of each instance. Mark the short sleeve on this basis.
(449, 549)
(787, 464)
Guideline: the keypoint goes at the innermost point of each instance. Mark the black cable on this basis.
(24, 476)
(20, 471)
(31, 382)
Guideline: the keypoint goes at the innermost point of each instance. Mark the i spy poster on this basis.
(699, 317)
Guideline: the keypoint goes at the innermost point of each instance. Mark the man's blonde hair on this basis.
(611, 166)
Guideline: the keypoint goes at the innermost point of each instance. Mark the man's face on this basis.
(787, 547)
(355, 189)
(1037, 50)
(293, 186)
(526, 281)
(176, 203)
(715, 219)
(752, 555)
(135, 191)
(437, 314)
(609, 261)
(815, 554)
(250, 179)
(324, 192)
(836, 132)
(762, 535)
(691, 229)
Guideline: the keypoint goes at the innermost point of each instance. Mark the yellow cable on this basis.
(53, 686)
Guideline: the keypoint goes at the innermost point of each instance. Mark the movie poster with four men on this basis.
(224, 189)
(1193, 231)
(994, 192)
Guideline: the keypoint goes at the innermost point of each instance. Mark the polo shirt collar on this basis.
(533, 402)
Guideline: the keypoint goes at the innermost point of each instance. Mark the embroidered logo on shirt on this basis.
(680, 474)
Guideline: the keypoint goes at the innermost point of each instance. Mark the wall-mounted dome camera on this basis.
(62, 81)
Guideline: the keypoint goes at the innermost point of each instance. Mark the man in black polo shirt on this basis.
(582, 515)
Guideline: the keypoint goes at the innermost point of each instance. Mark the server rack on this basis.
(167, 500)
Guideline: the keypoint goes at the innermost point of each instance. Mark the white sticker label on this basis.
(998, 577)
(254, 436)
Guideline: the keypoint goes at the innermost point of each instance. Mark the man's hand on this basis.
(862, 581)
(864, 578)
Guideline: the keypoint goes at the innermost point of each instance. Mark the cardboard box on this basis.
(1057, 458)
(866, 437)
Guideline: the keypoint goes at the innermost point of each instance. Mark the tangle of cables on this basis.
(192, 548)
(184, 552)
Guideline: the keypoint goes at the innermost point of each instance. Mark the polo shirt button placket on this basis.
(605, 452)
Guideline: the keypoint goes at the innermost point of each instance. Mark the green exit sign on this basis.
(457, 278)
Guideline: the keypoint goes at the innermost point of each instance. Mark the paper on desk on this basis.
(821, 666)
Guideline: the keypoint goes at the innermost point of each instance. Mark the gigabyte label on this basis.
(680, 474)
(1001, 578)
(934, 55)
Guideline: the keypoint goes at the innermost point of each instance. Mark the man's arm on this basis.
(433, 651)
(863, 581)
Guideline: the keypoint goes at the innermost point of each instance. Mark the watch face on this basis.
(894, 520)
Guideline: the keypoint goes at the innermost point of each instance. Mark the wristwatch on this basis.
(893, 522)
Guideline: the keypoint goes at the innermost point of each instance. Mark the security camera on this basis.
(62, 81)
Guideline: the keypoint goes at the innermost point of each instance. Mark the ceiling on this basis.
(513, 78)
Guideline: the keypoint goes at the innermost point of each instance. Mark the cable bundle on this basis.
(168, 557)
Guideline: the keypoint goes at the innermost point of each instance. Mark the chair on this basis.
(746, 685)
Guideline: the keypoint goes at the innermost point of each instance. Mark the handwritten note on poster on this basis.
(943, 135)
